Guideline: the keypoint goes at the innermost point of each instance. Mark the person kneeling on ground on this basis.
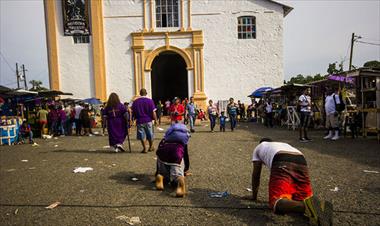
(170, 158)
(25, 132)
(289, 184)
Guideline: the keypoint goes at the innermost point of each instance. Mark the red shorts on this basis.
(289, 180)
(42, 122)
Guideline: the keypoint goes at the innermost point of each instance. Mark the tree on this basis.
(36, 85)
(372, 64)
(332, 69)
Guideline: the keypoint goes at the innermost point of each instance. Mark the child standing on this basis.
(222, 121)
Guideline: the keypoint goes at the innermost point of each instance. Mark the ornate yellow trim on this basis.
(145, 19)
(99, 66)
(182, 16)
(149, 59)
(193, 57)
(151, 16)
(189, 15)
(52, 43)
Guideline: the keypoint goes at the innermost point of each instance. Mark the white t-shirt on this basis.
(330, 104)
(78, 109)
(266, 151)
(305, 103)
(268, 108)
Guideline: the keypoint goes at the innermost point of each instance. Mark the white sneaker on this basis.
(116, 150)
(336, 136)
(329, 136)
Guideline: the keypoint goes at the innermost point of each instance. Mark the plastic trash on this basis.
(371, 171)
(160, 129)
(96, 133)
(11, 170)
(47, 136)
(32, 168)
(16, 211)
(249, 189)
(129, 220)
(55, 138)
(335, 189)
(107, 146)
(218, 194)
(53, 205)
(56, 145)
(35, 145)
(24, 160)
(81, 191)
(82, 169)
(134, 179)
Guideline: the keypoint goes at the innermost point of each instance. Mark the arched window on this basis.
(167, 13)
(247, 27)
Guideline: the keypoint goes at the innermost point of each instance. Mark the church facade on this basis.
(209, 49)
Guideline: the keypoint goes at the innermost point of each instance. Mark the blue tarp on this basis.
(92, 101)
(259, 92)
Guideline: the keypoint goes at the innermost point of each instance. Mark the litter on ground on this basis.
(32, 168)
(53, 205)
(56, 145)
(371, 171)
(134, 179)
(218, 194)
(160, 129)
(129, 220)
(249, 189)
(107, 146)
(11, 170)
(35, 145)
(24, 160)
(82, 169)
(335, 189)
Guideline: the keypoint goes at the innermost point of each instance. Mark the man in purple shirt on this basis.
(144, 111)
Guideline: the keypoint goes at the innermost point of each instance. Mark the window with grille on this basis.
(167, 13)
(247, 27)
(78, 39)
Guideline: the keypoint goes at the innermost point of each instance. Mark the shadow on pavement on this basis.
(252, 213)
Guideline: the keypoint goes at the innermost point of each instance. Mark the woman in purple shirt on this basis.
(114, 113)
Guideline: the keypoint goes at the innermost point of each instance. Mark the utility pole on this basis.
(352, 49)
(17, 76)
(23, 73)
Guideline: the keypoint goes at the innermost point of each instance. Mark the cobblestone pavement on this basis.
(219, 162)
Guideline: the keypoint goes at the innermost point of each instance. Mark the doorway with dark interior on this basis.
(169, 77)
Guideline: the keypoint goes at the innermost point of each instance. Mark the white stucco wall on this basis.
(75, 62)
(233, 67)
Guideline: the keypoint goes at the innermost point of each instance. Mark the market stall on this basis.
(367, 82)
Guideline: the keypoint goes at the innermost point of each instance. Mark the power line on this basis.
(7, 62)
(369, 43)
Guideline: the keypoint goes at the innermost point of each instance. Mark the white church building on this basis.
(209, 49)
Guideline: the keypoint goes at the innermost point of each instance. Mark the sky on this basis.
(316, 33)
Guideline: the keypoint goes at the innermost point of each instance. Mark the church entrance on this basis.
(169, 77)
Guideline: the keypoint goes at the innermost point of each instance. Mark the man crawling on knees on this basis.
(290, 189)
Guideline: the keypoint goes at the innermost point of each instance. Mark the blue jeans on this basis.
(233, 121)
(212, 121)
(191, 121)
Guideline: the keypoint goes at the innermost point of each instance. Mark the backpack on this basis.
(339, 107)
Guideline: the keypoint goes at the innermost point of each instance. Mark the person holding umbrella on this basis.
(115, 113)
